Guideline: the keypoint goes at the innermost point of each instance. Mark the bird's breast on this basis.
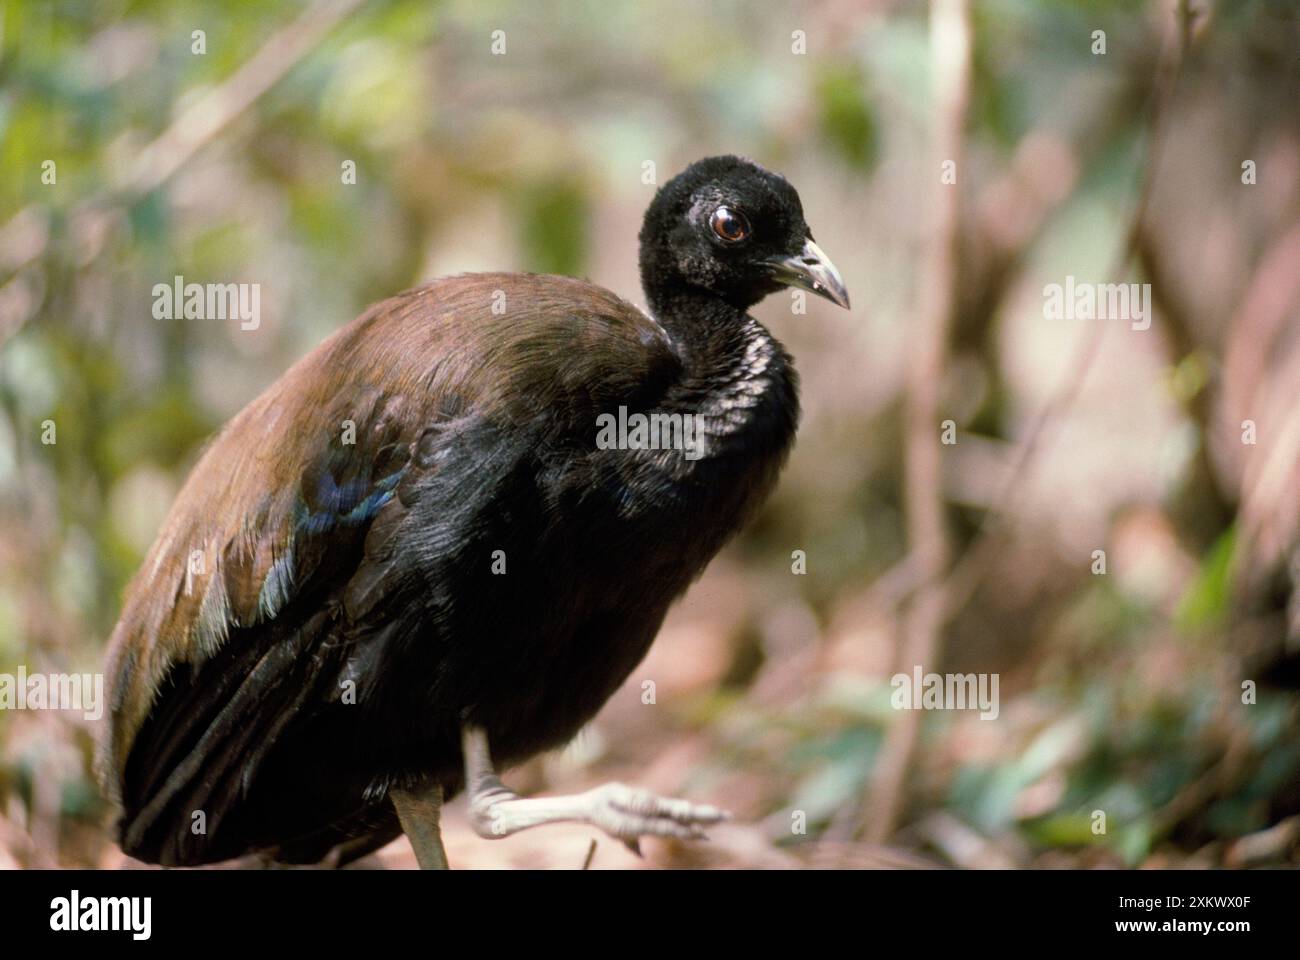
(690, 471)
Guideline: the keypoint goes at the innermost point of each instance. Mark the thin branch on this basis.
(213, 112)
(937, 599)
(976, 560)
(950, 54)
(163, 157)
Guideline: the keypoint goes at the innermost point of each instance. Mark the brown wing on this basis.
(282, 501)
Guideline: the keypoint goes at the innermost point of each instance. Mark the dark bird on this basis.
(426, 540)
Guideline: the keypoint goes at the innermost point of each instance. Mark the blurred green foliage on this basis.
(533, 161)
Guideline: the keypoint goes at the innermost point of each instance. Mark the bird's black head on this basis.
(736, 230)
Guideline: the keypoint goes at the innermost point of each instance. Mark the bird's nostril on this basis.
(810, 261)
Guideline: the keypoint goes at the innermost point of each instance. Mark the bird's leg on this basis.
(624, 813)
(419, 814)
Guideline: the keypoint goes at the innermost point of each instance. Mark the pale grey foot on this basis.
(625, 813)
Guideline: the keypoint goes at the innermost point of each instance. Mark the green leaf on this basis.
(1205, 603)
(555, 216)
(846, 118)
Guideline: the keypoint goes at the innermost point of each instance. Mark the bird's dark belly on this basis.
(525, 626)
(575, 610)
(538, 651)
(537, 625)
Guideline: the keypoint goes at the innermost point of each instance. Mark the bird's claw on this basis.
(627, 814)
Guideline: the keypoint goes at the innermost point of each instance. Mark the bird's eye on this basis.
(730, 225)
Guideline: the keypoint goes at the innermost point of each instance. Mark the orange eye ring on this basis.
(730, 226)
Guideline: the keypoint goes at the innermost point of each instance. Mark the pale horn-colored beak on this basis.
(812, 270)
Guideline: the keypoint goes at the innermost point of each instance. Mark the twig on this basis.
(937, 600)
(159, 160)
(950, 53)
(1204, 507)
(969, 570)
